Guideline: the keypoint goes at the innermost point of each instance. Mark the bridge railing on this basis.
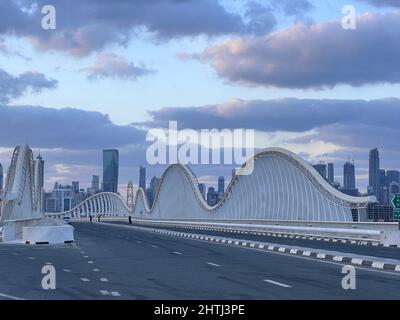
(380, 233)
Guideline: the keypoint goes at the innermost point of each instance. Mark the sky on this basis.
(112, 70)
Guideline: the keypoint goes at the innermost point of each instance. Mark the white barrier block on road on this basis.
(48, 234)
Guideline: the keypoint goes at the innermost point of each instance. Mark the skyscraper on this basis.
(221, 185)
(321, 168)
(374, 167)
(392, 176)
(75, 187)
(39, 181)
(110, 170)
(96, 183)
(349, 176)
(331, 173)
(142, 178)
(39, 164)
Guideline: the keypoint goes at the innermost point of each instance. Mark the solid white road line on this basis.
(10, 297)
(277, 283)
(213, 264)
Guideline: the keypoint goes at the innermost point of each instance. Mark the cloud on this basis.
(64, 128)
(109, 65)
(296, 8)
(383, 3)
(90, 25)
(346, 124)
(12, 87)
(317, 56)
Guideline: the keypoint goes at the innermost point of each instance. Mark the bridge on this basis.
(21, 211)
(265, 239)
(284, 194)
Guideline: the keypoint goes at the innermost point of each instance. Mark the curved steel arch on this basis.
(102, 203)
(282, 186)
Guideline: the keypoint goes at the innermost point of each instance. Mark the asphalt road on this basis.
(110, 262)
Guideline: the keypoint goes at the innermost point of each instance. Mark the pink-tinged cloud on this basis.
(109, 65)
(313, 56)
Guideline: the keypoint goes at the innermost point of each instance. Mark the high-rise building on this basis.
(96, 183)
(154, 183)
(321, 168)
(374, 167)
(221, 185)
(151, 191)
(212, 196)
(349, 176)
(1, 177)
(39, 164)
(383, 187)
(62, 198)
(142, 178)
(39, 181)
(110, 170)
(392, 176)
(331, 173)
(75, 187)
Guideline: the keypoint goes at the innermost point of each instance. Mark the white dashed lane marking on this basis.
(85, 279)
(7, 296)
(66, 270)
(96, 270)
(104, 292)
(213, 264)
(103, 279)
(277, 283)
(177, 253)
(90, 262)
(115, 294)
(154, 246)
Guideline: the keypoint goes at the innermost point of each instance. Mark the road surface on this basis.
(111, 262)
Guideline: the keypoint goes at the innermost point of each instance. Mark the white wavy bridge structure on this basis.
(284, 194)
(21, 207)
(282, 187)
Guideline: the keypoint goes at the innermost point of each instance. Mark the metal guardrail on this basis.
(347, 231)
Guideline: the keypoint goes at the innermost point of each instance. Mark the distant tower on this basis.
(129, 196)
(39, 182)
(221, 185)
(349, 176)
(142, 178)
(331, 173)
(110, 170)
(321, 168)
(374, 167)
(96, 183)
